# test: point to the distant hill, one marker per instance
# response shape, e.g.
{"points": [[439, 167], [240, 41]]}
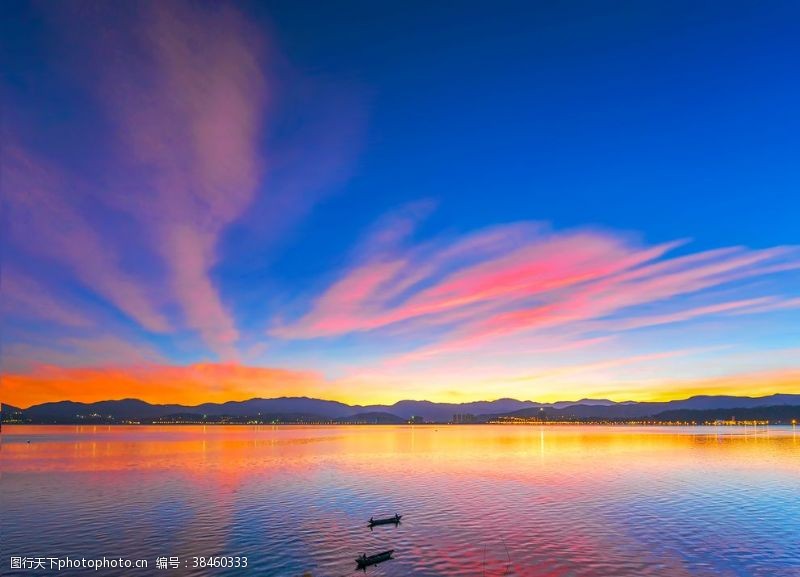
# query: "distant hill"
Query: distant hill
{"points": [[774, 414], [443, 412], [137, 409], [69, 411], [253, 407], [564, 404], [307, 409], [120, 409], [633, 410], [9, 413]]}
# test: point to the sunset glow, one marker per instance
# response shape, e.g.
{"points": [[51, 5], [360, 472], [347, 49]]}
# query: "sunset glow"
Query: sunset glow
{"points": [[204, 216], [418, 289]]}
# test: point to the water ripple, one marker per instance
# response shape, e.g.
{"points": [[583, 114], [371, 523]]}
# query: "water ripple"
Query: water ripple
{"points": [[523, 501]]}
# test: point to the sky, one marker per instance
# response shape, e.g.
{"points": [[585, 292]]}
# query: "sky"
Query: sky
{"points": [[370, 202]]}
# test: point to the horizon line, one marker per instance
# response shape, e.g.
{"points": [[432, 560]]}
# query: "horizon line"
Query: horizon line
{"points": [[394, 403]]}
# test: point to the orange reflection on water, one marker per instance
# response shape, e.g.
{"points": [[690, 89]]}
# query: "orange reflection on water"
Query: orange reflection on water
{"points": [[550, 498], [193, 448]]}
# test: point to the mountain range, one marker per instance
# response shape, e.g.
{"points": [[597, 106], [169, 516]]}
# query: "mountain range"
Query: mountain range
{"points": [[304, 408]]}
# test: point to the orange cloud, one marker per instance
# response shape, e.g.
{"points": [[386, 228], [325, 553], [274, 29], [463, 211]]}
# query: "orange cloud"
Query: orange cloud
{"points": [[190, 385], [220, 382]]}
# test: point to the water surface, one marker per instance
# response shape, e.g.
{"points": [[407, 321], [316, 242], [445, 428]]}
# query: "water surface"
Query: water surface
{"points": [[569, 501]]}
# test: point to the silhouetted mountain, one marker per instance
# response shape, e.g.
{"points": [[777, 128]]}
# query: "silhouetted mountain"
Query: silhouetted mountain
{"points": [[9, 412], [573, 412], [136, 409], [253, 407], [443, 412], [632, 410], [284, 408], [724, 402], [773, 414], [120, 409], [563, 404]]}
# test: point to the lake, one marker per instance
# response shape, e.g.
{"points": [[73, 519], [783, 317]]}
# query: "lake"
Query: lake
{"points": [[533, 500]]}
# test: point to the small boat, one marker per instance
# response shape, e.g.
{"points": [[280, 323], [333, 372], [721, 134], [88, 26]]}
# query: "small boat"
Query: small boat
{"points": [[395, 520], [365, 561]]}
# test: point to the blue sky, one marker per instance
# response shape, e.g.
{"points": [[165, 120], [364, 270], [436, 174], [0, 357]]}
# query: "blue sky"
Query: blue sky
{"points": [[214, 187]]}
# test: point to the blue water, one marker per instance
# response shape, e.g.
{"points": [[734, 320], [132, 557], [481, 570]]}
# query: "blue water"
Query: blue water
{"points": [[477, 500]]}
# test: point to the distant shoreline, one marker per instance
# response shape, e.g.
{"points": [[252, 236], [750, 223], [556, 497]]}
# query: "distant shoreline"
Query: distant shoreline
{"points": [[431, 424], [700, 410]]}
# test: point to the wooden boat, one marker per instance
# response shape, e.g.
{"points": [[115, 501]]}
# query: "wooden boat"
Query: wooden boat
{"points": [[366, 561], [395, 520]]}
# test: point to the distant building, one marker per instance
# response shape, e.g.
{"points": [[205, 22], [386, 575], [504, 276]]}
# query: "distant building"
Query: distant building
{"points": [[464, 418], [416, 420]]}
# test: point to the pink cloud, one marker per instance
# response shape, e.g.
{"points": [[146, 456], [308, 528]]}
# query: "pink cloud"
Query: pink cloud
{"points": [[190, 102], [181, 150], [98, 349], [45, 220], [489, 269], [24, 296], [522, 279], [647, 284]]}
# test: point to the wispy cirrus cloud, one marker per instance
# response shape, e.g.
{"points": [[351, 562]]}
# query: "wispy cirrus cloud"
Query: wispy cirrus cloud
{"points": [[25, 297], [185, 88], [654, 283], [45, 219], [522, 279], [174, 103], [189, 95], [100, 348], [465, 278]]}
